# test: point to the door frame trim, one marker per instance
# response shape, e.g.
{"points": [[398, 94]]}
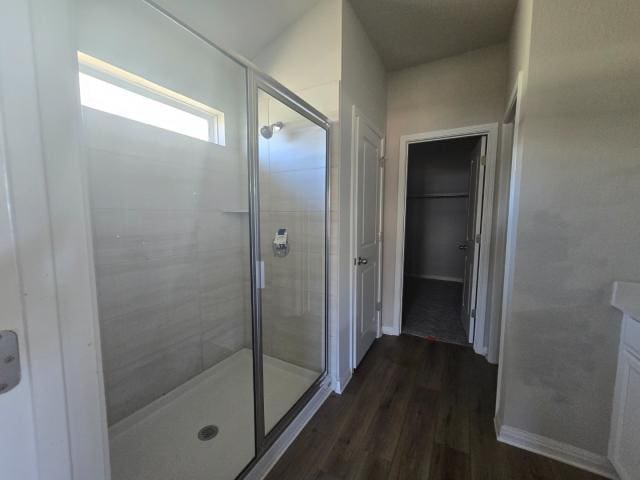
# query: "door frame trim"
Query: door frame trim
{"points": [[51, 233], [512, 112], [491, 131], [357, 114]]}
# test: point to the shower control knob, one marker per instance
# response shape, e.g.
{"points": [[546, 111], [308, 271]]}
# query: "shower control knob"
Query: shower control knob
{"points": [[362, 261], [462, 246]]}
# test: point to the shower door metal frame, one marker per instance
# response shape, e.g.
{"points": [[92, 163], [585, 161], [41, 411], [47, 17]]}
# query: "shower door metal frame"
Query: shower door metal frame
{"points": [[257, 81]]}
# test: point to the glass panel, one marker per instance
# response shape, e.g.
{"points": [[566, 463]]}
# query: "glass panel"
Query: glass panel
{"points": [[292, 170], [165, 125]]}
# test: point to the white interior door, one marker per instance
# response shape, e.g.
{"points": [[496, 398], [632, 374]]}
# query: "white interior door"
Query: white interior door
{"points": [[367, 238], [473, 236]]}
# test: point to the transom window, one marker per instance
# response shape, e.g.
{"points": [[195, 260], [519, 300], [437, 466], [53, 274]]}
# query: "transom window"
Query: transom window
{"points": [[112, 90]]}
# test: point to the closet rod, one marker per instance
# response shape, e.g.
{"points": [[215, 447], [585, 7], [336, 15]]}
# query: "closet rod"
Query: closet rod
{"points": [[439, 195]]}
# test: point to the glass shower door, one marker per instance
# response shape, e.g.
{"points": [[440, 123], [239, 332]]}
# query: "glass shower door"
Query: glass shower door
{"points": [[292, 153], [165, 126]]}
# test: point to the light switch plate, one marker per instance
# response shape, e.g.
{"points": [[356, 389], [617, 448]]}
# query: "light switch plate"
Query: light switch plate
{"points": [[9, 361]]}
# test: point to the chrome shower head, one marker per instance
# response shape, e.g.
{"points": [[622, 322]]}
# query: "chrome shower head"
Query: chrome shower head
{"points": [[267, 130]]}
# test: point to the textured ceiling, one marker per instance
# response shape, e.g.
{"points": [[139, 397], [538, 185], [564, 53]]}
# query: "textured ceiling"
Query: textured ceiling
{"points": [[241, 26], [411, 32]]}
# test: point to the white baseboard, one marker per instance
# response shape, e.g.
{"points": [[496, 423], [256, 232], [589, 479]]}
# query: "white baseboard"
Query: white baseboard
{"points": [[342, 383], [480, 351], [390, 330], [435, 277], [271, 457], [562, 452]]}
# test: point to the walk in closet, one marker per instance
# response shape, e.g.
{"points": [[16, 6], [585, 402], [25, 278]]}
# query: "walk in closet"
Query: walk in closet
{"points": [[441, 213]]}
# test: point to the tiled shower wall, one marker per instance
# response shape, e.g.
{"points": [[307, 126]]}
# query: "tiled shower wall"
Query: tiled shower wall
{"points": [[292, 196], [171, 242], [169, 212]]}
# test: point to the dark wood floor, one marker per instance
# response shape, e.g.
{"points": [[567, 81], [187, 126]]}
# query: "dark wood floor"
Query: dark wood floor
{"points": [[414, 410]]}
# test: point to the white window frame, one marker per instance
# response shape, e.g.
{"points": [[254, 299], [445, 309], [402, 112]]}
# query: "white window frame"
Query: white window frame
{"points": [[118, 77]]}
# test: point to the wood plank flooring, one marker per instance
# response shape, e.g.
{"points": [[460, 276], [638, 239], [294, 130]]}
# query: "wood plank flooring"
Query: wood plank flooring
{"points": [[414, 410]]}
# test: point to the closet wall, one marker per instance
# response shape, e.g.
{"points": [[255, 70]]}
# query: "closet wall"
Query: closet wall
{"points": [[437, 202]]}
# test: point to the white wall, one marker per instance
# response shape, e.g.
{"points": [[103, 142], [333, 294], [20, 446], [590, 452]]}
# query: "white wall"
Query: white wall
{"points": [[305, 57], [243, 27], [467, 89], [364, 79], [363, 86], [520, 41], [578, 218]]}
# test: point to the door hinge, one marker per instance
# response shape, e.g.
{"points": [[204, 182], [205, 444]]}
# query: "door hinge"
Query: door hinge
{"points": [[382, 160], [478, 237], [473, 313], [483, 160], [379, 306], [379, 236]]}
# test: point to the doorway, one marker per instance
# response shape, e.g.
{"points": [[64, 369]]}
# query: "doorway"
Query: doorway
{"points": [[443, 240], [445, 180]]}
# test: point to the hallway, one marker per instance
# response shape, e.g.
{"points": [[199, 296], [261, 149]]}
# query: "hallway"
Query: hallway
{"points": [[414, 410]]}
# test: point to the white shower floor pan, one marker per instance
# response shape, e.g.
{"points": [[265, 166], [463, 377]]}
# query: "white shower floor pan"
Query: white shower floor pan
{"points": [[160, 441]]}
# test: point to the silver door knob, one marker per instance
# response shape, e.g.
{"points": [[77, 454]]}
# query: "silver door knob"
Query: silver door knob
{"points": [[462, 246], [362, 261]]}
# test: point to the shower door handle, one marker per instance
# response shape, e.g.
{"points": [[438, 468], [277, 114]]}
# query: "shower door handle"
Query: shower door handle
{"points": [[362, 261]]}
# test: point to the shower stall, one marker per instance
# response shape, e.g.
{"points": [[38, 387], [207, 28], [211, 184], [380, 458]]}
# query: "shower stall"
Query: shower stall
{"points": [[208, 194]]}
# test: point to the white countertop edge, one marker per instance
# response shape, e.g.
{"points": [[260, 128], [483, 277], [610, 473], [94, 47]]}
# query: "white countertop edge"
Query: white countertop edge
{"points": [[626, 297]]}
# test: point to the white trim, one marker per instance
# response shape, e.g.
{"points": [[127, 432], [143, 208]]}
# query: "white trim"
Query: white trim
{"points": [[356, 114], [341, 383], [514, 96], [390, 330], [352, 245], [435, 277], [48, 201], [501, 203], [560, 451], [262, 468], [491, 131], [504, 189], [19, 453], [512, 223], [625, 296]]}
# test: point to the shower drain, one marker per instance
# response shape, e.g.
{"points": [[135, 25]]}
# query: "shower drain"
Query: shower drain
{"points": [[207, 433]]}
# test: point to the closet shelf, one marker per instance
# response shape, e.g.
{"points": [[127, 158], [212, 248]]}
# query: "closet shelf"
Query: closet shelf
{"points": [[439, 195]]}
